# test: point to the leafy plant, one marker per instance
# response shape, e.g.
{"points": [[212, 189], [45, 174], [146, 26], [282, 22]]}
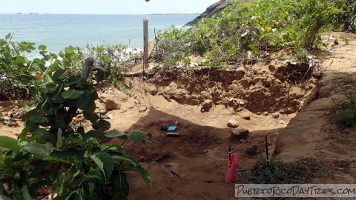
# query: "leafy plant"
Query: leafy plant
{"points": [[264, 25], [277, 172], [79, 165], [344, 111]]}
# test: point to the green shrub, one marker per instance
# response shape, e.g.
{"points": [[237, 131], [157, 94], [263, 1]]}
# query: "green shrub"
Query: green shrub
{"points": [[277, 172], [265, 25], [53, 152], [344, 111]]}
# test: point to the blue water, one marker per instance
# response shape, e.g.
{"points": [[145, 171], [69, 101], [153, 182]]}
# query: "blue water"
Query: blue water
{"points": [[60, 31]]}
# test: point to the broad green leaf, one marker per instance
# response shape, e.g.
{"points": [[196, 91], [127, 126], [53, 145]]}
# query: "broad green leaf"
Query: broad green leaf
{"points": [[39, 150], [8, 36], [99, 75], [144, 174], [71, 81], [29, 126], [106, 59], [124, 159], [114, 133], [91, 107], [83, 100], [104, 162], [72, 94], [42, 134], [93, 117], [120, 187], [25, 194], [101, 125], [58, 98], [9, 143], [98, 134], [38, 118], [57, 74], [138, 136], [69, 157], [42, 48], [64, 75]]}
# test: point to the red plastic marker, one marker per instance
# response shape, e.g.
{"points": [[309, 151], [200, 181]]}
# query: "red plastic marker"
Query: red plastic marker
{"points": [[231, 171]]}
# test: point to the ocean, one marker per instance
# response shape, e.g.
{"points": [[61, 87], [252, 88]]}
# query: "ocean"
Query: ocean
{"points": [[58, 31]]}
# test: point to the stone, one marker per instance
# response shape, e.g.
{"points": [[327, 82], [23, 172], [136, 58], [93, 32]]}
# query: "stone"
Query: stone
{"points": [[265, 113], [342, 163], [206, 105], [232, 123], [142, 108], [275, 115], [281, 122], [246, 117], [251, 150], [240, 133]]}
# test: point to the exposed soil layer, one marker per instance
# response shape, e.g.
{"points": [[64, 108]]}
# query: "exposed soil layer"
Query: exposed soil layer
{"points": [[274, 86]]}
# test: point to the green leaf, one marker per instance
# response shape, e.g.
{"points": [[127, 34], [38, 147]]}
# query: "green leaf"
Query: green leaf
{"points": [[57, 74], [114, 133], [59, 139], [101, 125], [124, 159], [42, 134], [144, 174], [69, 157], [29, 126], [9, 143], [42, 48], [39, 150], [25, 194], [93, 117], [83, 100], [99, 75], [120, 187], [91, 107], [104, 162], [72, 94], [106, 59], [98, 134], [38, 118], [64, 75], [138, 136], [8, 36]]}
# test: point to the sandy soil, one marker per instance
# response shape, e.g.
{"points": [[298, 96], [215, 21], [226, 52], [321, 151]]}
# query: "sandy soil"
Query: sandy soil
{"points": [[283, 101]]}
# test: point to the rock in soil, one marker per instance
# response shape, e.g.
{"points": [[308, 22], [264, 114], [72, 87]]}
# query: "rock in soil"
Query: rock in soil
{"points": [[232, 123], [246, 117], [240, 133], [251, 150], [275, 115]]}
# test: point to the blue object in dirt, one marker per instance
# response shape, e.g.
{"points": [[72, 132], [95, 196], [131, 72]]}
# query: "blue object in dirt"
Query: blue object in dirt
{"points": [[172, 128]]}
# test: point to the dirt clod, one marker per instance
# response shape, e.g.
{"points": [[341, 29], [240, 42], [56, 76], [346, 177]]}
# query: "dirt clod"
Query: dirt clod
{"points": [[240, 133]]}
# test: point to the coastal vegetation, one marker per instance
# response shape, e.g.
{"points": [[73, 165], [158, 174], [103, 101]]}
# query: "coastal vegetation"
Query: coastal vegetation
{"points": [[255, 28]]}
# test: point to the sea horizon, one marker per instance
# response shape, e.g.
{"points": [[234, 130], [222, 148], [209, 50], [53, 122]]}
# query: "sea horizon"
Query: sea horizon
{"points": [[58, 31]]}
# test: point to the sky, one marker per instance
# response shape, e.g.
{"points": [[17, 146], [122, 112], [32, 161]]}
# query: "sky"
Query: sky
{"points": [[104, 6]]}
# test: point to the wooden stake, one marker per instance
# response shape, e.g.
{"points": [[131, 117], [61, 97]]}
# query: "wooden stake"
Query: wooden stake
{"points": [[267, 157], [145, 45]]}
